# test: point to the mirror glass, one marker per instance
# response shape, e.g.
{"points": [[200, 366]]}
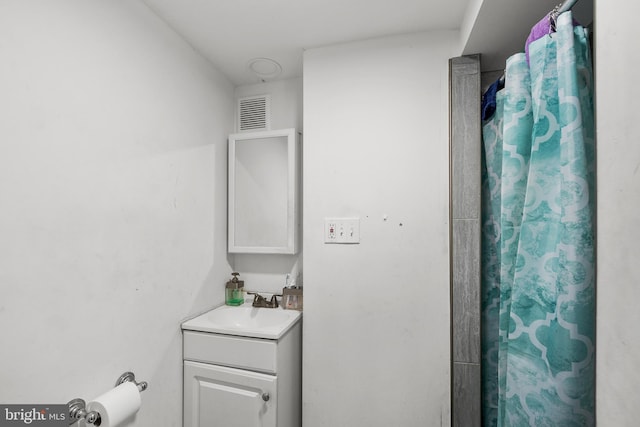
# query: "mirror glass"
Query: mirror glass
{"points": [[262, 192]]}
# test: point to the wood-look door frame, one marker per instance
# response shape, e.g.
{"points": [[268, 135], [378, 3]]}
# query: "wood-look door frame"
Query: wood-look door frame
{"points": [[465, 144]]}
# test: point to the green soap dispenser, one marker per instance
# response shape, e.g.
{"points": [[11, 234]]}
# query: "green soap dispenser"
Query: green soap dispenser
{"points": [[234, 291]]}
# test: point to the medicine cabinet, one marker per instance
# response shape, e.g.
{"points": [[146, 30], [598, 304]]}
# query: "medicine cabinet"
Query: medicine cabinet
{"points": [[263, 192]]}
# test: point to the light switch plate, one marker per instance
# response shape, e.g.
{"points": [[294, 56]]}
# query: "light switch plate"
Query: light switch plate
{"points": [[342, 230]]}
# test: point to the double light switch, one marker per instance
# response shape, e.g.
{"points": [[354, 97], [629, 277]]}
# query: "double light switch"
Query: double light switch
{"points": [[342, 230]]}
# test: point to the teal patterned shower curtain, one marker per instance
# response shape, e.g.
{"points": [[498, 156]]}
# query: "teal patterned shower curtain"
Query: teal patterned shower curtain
{"points": [[538, 273]]}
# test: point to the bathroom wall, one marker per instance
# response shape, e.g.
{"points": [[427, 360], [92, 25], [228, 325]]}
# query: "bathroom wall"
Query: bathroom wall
{"points": [[267, 272], [112, 200], [376, 321], [618, 133]]}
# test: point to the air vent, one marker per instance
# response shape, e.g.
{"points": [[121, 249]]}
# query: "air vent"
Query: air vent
{"points": [[254, 113]]}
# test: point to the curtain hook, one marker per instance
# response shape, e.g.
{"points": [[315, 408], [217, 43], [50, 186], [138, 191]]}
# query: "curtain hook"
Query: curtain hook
{"points": [[553, 17]]}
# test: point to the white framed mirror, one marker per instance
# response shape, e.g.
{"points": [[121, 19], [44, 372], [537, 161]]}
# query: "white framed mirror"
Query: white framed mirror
{"points": [[263, 192]]}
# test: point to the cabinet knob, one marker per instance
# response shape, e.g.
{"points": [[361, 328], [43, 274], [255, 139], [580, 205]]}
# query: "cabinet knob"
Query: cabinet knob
{"points": [[265, 397]]}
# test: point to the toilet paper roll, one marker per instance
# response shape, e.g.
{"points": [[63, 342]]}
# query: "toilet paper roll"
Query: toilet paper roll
{"points": [[117, 404]]}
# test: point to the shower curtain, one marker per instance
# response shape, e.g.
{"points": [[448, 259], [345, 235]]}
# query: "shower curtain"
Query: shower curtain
{"points": [[538, 274]]}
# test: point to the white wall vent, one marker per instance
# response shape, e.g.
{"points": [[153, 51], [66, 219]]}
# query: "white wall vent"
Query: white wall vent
{"points": [[254, 113]]}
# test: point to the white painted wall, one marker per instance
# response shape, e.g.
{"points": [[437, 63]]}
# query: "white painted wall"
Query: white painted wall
{"points": [[267, 272], [376, 320], [618, 133], [112, 200]]}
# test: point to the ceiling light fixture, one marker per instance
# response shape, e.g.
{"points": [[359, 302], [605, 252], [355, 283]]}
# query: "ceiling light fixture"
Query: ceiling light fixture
{"points": [[264, 68]]}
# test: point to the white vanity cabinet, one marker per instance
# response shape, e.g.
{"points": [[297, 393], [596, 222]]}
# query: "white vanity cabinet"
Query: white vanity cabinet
{"points": [[236, 381], [214, 393]]}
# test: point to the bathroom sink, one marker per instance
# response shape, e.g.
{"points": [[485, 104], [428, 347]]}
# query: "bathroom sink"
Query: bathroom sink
{"points": [[246, 321]]}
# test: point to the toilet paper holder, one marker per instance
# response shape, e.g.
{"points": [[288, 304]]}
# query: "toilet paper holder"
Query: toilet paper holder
{"points": [[78, 407]]}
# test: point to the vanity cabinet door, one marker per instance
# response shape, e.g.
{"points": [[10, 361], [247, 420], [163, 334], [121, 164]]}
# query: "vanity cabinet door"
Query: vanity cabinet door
{"points": [[216, 394]]}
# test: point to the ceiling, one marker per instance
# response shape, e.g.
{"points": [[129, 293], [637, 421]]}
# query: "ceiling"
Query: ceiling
{"points": [[229, 33]]}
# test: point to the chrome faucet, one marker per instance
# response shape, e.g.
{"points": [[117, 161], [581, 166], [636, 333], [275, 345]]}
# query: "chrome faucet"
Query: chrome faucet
{"points": [[260, 301]]}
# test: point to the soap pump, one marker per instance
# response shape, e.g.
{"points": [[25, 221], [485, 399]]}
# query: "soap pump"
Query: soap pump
{"points": [[234, 291]]}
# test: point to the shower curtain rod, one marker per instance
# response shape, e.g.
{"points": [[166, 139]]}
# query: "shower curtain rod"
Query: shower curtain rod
{"points": [[566, 5]]}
